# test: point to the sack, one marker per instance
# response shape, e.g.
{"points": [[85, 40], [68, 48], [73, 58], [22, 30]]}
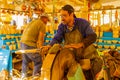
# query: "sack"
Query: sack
{"points": [[54, 49], [3, 75], [90, 52], [76, 73], [86, 53], [102, 75], [117, 71], [85, 64]]}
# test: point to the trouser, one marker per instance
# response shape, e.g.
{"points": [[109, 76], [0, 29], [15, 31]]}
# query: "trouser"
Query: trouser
{"points": [[29, 57]]}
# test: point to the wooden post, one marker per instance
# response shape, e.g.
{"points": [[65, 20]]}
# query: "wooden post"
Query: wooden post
{"points": [[84, 10]]}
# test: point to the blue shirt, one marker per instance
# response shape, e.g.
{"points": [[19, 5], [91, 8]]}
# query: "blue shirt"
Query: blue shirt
{"points": [[83, 26]]}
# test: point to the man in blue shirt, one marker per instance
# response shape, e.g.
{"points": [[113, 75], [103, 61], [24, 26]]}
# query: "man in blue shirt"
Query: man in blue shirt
{"points": [[78, 36]]}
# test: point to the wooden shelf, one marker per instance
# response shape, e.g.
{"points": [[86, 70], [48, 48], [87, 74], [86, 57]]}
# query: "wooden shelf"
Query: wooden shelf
{"points": [[103, 9]]}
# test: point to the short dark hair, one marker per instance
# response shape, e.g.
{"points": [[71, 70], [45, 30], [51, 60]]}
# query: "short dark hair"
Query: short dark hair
{"points": [[68, 8]]}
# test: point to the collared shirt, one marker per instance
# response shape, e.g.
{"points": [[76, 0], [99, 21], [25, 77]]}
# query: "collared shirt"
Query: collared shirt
{"points": [[84, 28]]}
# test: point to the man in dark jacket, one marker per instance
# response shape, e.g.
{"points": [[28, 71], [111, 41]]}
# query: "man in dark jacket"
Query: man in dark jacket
{"points": [[78, 36]]}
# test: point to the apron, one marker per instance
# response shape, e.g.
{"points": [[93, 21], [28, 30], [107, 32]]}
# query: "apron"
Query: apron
{"points": [[76, 37], [84, 53]]}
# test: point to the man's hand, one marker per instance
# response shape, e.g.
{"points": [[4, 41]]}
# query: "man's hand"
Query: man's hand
{"points": [[79, 45], [44, 49]]}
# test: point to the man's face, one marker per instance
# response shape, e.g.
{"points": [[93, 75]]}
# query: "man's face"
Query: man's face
{"points": [[45, 20], [65, 16]]}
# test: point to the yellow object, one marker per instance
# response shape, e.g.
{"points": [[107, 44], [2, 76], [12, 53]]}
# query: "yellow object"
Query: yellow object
{"points": [[112, 47], [114, 41], [116, 32], [3, 38], [97, 33], [8, 43], [18, 45], [51, 32], [8, 36], [1, 32], [118, 47], [105, 28], [13, 42], [49, 36], [106, 46], [14, 47], [101, 34], [100, 40], [100, 46], [10, 47], [115, 36], [99, 53], [109, 42], [12, 37], [105, 41], [6, 17], [52, 36], [47, 41]]}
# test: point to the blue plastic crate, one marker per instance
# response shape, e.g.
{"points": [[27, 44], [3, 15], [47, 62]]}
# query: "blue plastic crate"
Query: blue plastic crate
{"points": [[107, 38], [15, 34], [5, 60], [48, 38], [7, 47], [2, 35], [117, 45], [107, 34], [117, 39], [100, 43], [3, 42]]}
